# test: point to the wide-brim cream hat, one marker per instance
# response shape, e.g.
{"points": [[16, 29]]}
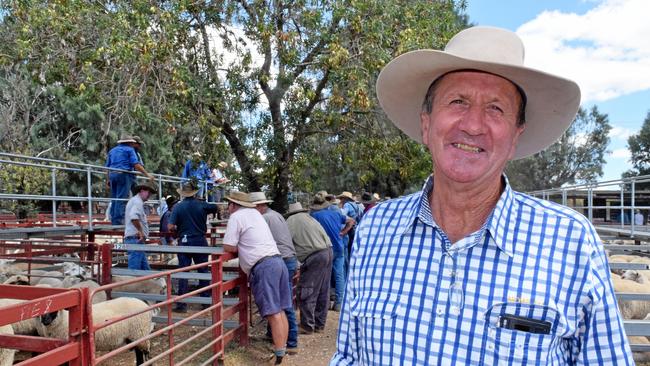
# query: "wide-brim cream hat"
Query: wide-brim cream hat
{"points": [[346, 194], [552, 101], [258, 197], [240, 198], [126, 138], [295, 208]]}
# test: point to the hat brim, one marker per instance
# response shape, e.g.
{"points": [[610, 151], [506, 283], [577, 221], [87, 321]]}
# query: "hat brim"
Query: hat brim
{"points": [[320, 206], [368, 202], [241, 203], [552, 101], [295, 212], [126, 140], [186, 194], [262, 201], [138, 187]]}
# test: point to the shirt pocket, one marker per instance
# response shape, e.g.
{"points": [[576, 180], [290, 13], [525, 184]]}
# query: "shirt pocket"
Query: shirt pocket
{"points": [[515, 347], [377, 316]]}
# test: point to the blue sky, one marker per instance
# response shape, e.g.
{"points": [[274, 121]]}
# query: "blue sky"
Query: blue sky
{"points": [[604, 45]]}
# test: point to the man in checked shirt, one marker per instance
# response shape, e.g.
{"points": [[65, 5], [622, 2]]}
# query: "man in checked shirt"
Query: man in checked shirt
{"points": [[468, 271]]}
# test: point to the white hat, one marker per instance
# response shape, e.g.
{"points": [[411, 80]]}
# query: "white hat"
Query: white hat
{"points": [[552, 101], [258, 197]]}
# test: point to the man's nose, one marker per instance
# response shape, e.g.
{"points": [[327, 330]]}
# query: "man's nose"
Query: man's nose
{"points": [[473, 120]]}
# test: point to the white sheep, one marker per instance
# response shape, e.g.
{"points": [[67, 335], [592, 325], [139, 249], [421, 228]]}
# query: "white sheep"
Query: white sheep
{"points": [[91, 285], [25, 327], [7, 354], [632, 309], [152, 286], [55, 325]]}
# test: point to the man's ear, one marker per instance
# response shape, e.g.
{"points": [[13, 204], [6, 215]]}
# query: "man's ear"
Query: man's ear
{"points": [[425, 122]]}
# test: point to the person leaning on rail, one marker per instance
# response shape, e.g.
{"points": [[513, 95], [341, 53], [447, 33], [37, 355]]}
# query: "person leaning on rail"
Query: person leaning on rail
{"points": [[248, 235], [468, 271]]}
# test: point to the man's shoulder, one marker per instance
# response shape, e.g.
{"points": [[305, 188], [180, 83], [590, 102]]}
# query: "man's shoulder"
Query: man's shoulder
{"points": [[541, 207]]}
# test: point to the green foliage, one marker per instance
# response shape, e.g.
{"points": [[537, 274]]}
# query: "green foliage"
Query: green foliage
{"points": [[639, 146], [276, 86], [577, 157]]}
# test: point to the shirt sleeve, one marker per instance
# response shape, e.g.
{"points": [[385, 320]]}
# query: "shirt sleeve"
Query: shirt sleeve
{"points": [[347, 347], [172, 217], [602, 338], [135, 213], [133, 157], [231, 237]]}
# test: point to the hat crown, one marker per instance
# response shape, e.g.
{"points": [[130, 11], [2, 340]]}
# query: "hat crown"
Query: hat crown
{"points": [[488, 44], [295, 207], [257, 197], [318, 199]]}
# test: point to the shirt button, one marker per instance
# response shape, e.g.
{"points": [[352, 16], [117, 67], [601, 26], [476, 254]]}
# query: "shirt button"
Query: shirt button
{"points": [[440, 311], [490, 347]]}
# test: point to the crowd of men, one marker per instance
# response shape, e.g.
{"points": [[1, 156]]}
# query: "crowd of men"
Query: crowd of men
{"points": [[271, 247]]}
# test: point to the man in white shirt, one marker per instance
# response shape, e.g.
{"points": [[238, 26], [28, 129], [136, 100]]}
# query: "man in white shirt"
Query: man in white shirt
{"points": [[248, 235], [136, 227]]}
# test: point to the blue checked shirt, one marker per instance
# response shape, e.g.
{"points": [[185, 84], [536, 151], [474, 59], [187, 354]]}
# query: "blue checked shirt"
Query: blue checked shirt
{"points": [[413, 298]]}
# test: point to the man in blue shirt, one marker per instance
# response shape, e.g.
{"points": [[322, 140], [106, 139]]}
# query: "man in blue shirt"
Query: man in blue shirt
{"points": [[188, 221], [468, 271], [332, 221], [196, 168], [124, 157]]}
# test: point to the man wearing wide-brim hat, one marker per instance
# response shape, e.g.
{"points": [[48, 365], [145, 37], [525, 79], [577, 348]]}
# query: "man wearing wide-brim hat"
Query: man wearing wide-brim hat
{"points": [[314, 251], [280, 231], [248, 234], [136, 226], [123, 157], [469, 271], [188, 222], [197, 168], [332, 222]]}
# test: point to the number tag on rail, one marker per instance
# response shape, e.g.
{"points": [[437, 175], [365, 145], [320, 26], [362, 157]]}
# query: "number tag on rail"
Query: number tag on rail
{"points": [[119, 246]]}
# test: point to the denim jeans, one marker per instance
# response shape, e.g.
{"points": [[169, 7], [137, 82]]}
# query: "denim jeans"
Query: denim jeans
{"points": [[121, 184], [137, 260], [338, 275], [292, 339]]}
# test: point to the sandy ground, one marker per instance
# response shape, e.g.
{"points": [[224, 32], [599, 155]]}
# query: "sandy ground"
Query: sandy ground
{"points": [[313, 350]]}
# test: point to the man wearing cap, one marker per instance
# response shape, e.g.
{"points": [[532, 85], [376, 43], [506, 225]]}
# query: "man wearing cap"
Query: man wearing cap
{"points": [[314, 251], [282, 237], [248, 235], [336, 225], [136, 228], [468, 271], [369, 201], [167, 237], [123, 157], [196, 168], [188, 222]]}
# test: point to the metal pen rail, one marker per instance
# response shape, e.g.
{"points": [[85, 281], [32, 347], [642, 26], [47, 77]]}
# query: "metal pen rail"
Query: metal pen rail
{"points": [[91, 171]]}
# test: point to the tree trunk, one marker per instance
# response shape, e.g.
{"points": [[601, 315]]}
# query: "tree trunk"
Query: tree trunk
{"points": [[252, 182]]}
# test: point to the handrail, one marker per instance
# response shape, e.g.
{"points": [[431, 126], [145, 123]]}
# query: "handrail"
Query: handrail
{"points": [[55, 165]]}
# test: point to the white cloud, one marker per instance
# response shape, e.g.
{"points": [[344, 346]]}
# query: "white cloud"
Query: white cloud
{"points": [[621, 133], [621, 154], [606, 50]]}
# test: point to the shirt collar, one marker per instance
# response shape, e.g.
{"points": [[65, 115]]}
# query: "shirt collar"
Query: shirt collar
{"points": [[501, 221]]}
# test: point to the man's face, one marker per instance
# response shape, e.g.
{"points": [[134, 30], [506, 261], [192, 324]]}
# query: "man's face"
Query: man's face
{"points": [[472, 129], [145, 194], [261, 208]]}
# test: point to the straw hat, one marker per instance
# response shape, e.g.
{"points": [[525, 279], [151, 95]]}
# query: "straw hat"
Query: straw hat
{"points": [[258, 197], [188, 189], [240, 198], [319, 202], [126, 138], [223, 164], [138, 140], [295, 208], [552, 101], [144, 185], [347, 195]]}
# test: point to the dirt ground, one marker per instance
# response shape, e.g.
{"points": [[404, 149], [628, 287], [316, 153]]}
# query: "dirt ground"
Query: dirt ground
{"points": [[313, 350]]}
